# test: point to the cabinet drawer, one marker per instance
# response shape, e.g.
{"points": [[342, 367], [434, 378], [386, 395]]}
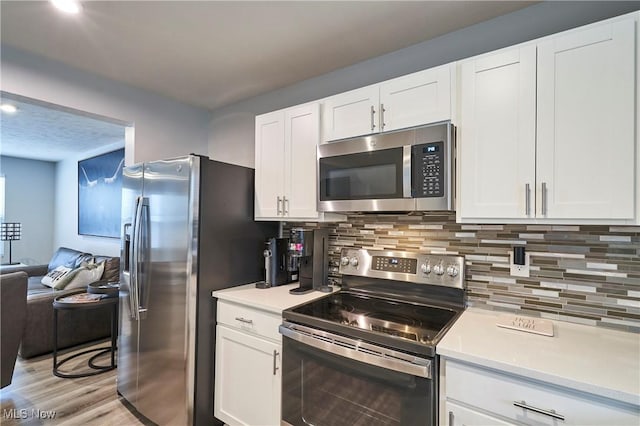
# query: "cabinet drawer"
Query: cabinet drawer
{"points": [[248, 319], [496, 393]]}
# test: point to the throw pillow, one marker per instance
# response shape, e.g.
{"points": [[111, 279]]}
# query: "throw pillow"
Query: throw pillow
{"points": [[58, 278], [85, 274]]}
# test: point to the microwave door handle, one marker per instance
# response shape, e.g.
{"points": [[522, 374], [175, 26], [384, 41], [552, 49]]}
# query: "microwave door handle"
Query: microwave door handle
{"points": [[406, 171]]}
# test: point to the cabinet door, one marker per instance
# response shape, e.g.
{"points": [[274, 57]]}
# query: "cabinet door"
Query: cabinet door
{"points": [[350, 114], [269, 177], [586, 121], [418, 98], [529, 402], [302, 135], [247, 384], [458, 415], [496, 135]]}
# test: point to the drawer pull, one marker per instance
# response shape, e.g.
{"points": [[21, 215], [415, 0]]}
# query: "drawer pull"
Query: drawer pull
{"points": [[550, 413], [246, 321]]}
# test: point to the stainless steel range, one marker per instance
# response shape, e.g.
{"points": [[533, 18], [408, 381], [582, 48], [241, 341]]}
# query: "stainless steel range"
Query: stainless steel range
{"points": [[366, 354]]}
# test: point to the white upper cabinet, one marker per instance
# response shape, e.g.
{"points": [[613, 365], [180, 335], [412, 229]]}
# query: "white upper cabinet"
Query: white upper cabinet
{"points": [[285, 179], [270, 161], [586, 123], [547, 129], [419, 98], [497, 134], [302, 135], [350, 114]]}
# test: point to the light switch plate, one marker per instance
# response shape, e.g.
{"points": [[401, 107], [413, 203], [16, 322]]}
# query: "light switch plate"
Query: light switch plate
{"points": [[519, 270]]}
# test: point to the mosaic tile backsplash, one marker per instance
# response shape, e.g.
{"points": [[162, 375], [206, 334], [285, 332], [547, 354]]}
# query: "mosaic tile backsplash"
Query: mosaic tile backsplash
{"points": [[582, 274]]}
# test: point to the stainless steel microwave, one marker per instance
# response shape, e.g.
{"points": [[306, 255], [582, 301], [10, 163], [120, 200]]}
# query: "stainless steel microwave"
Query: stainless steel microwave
{"points": [[406, 170]]}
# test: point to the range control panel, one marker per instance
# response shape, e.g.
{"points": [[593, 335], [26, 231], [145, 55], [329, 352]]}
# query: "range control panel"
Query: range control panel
{"points": [[419, 268], [394, 264], [427, 168]]}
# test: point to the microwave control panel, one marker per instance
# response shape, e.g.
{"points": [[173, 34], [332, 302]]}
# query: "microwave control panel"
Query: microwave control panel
{"points": [[428, 170]]}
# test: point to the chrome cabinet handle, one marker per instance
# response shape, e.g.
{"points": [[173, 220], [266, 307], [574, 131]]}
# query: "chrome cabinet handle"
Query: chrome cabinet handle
{"points": [[451, 418], [550, 413], [373, 123], [544, 198], [275, 364], [278, 206], [382, 123], [246, 321], [285, 205], [527, 190]]}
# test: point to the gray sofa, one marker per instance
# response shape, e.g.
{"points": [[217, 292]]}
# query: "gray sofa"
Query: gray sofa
{"points": [[74, 326]]}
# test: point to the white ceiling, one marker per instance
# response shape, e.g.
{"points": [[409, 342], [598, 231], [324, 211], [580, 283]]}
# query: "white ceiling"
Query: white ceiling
{"points": [[214, 53], [207, 53], [43, 132]]}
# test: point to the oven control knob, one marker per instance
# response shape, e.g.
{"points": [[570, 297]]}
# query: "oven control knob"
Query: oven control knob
{"points": [[354, 262], [425, 268], [438, 269], [452, 271], [344, 261]]}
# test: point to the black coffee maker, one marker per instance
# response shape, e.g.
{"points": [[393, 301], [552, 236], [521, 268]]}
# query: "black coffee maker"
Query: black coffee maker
{"points": [[311, 248], [280, 267]]}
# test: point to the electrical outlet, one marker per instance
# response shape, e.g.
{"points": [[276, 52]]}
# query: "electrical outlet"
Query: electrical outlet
{"points": [[519, 270]]}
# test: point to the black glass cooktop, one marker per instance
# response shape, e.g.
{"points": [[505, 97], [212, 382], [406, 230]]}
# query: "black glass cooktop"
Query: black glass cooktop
{"points": [[391, 320]]}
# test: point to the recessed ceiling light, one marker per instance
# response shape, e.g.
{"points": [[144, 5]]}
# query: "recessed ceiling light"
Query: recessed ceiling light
{"points": [[8, 108], [68, 6]]}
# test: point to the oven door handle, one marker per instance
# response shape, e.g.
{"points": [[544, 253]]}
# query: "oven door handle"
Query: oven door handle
{"points": [[358, 350]]}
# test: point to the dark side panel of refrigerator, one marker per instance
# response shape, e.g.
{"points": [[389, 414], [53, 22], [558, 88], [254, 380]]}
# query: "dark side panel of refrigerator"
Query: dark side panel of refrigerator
{"points": [[233, 244]]}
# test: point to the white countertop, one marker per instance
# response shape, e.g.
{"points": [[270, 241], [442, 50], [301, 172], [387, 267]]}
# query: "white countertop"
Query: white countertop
{"points": [[597, 360], [273, 299]]}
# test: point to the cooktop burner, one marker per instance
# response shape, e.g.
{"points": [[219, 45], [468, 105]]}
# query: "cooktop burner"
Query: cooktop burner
{"points": [[411, 321], [405, 301]]}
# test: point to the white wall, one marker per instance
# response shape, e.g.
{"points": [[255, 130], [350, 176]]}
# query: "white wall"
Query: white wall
{"points": [[66, 209], [164, 128], [232, 137], [29, 199]]}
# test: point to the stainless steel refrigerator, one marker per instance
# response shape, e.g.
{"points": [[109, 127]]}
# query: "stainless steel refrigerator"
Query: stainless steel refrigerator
{"points": [[187, 229]]}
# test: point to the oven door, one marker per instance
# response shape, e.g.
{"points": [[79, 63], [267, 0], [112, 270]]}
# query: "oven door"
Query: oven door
{"points": [[373, 177], [334, 380]]}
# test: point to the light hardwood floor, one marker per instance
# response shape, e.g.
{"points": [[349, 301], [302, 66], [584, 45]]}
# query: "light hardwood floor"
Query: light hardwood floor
{"points": [[35, 393]]}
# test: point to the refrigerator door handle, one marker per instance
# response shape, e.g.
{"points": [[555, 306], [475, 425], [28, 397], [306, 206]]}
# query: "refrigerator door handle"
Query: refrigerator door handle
{"points": [[134, 292], [142, 280], [127, 262]]}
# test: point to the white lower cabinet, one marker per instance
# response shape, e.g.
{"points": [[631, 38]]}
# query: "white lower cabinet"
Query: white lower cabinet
{"points": [[248, 375], [479, 396], [457, 415]]}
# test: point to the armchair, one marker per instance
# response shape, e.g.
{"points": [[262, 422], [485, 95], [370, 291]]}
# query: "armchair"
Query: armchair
{"points": [[13, 315]]}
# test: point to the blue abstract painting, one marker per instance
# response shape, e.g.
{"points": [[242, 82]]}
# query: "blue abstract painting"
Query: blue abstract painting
{"points": [[100, 194]]}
